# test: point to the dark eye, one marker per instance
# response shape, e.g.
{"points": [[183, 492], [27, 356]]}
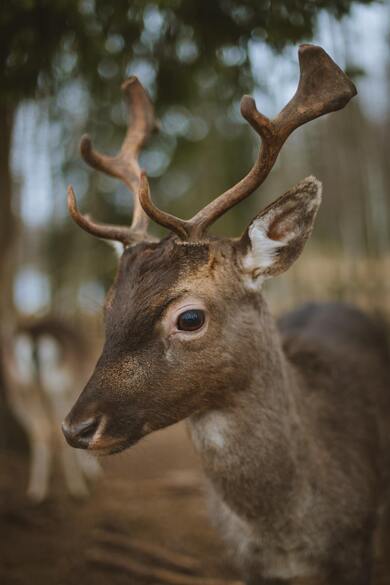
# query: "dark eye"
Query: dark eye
{"points": [[191, 320]]}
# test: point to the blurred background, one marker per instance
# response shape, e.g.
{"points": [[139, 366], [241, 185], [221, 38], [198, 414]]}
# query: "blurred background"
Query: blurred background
{"points": [[62, 63]]}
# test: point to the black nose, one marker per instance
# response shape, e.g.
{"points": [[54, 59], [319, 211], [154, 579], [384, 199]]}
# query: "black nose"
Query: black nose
{"points": [[79, 435]]}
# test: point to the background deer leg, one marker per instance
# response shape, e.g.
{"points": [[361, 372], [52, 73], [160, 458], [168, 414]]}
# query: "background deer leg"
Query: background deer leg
{"points": [[33, 419], [76, 465], [74, 477], [89, 464], [41, 455]]}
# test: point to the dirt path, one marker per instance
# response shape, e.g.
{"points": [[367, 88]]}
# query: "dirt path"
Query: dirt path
{"points": [[148, 513], [149, 509]]}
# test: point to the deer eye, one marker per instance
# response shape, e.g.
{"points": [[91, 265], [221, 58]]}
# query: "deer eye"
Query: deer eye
{"points": [[190, 320]]}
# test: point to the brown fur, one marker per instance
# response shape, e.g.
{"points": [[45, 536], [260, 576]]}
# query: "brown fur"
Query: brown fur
{"points": [[291, 424]]}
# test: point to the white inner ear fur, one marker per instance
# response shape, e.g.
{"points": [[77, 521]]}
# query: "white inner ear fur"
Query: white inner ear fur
{"points": [[264, 249]]}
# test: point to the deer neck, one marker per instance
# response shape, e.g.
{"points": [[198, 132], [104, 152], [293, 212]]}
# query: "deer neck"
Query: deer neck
{"points": [[250, 447]]}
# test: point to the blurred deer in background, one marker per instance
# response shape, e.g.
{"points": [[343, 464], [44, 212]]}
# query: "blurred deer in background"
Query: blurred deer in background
{"points": [[46, 363], [291, 420]]}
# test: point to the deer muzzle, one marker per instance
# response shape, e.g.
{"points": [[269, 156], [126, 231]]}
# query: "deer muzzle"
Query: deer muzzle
{"points": [[107, 417], [81, 435]]}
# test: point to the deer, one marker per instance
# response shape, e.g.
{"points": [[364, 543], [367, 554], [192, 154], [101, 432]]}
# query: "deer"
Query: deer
{"points": [[46, 361], [291, 417]]}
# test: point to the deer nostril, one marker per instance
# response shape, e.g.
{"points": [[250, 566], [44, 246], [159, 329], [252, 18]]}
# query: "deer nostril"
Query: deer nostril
{"points": [[80, 435]]}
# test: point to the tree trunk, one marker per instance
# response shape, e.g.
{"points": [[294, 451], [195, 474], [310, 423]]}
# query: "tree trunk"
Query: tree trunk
{"points": [[11, 435]]}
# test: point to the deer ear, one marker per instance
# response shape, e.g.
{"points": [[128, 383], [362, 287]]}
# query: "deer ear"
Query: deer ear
{"points": [[276, 237]]}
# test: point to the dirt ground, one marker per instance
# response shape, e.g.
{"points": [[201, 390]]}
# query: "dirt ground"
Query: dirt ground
{"points": [[145, 523], [148, 510]]}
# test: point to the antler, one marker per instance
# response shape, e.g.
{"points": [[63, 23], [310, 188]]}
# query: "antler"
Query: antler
{"points": [[323, 87], [124, 166]]}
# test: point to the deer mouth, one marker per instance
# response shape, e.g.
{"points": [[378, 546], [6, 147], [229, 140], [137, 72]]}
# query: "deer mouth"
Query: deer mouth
{"points": [[110, 443], [112, 446]]}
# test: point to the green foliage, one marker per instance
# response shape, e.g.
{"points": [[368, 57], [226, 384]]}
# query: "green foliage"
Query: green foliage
{"points": [[181, 41], [32, 34]]}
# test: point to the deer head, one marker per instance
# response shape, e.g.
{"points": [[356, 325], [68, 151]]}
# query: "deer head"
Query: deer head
{"points": [[182, 315]]}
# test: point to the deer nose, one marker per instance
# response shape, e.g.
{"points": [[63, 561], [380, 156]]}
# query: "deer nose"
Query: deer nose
{"points": [[80, 434]]}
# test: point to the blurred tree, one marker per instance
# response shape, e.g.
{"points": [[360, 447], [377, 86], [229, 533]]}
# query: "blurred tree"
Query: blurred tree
{"points": [[186, 51], [32, 34]]}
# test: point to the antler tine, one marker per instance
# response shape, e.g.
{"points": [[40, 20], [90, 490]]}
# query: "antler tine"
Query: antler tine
{"points": [[179, 226], [323, 87], [123, 166], [106, 231]]}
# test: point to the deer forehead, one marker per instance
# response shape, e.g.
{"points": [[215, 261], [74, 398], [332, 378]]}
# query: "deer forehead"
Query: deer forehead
{"points": [[151, 275]]}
